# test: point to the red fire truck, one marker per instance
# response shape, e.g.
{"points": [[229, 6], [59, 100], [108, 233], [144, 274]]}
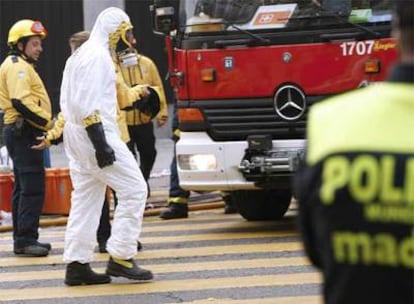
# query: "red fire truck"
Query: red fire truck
{"points": [[246, 72]]}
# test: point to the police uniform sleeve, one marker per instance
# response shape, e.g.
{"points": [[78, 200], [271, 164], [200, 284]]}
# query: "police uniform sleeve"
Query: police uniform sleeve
{"points": [[33, 108]]}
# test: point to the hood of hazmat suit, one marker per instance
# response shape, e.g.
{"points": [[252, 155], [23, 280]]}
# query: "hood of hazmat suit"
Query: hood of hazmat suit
{"points": [[89, 84]]}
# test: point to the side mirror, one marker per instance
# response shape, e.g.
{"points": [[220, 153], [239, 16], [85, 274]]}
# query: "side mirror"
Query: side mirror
{"points": [[164, 16]]}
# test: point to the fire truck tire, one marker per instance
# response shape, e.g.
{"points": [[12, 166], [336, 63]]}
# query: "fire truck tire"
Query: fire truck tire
{"points": [[261, 205]]}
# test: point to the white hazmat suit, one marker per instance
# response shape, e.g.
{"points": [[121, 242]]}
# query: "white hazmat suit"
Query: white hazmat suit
{"points": [[88, 89]]}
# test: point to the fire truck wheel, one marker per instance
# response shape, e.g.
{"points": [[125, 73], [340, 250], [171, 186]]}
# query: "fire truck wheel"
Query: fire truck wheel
{"points": [[259, 205]]}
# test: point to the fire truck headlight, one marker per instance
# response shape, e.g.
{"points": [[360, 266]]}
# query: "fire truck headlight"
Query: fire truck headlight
{"points": [[197, 162]]}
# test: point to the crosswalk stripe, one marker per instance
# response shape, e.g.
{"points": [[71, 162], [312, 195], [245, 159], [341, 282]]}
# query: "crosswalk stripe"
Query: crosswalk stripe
{"points": [[281, 300], [165, 253], [189, 226], [159, 286], [169, 268], [189, 238]]}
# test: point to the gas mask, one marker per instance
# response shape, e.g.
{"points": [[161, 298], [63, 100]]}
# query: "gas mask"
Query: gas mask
{"points": [[127, 58]]}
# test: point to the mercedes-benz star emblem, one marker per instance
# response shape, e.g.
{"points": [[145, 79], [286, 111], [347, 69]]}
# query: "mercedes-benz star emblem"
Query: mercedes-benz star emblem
{"points": [[289, 102]]}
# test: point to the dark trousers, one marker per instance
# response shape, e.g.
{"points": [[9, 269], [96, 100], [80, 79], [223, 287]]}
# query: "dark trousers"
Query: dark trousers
{"points": [[143, 140], [175, 189], [29, 183]]}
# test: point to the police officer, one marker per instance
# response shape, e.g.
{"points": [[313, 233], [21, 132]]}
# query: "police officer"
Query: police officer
{"points": [[27, 113], [138, 69], [355, 192]]}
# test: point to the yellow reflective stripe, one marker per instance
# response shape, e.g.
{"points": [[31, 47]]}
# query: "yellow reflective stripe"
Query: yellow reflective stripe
{"points": [[92, 119], [124, 263], [177, 132], [178, 200]]}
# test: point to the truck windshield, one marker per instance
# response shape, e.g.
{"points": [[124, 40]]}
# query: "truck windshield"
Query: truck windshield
{"points": [[200, 16]]}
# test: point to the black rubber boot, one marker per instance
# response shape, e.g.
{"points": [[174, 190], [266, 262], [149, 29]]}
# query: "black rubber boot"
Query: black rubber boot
{"points": [[35, 250], [127, 269], [230, 206], [175, 211], [48, 246], [82, 274]]}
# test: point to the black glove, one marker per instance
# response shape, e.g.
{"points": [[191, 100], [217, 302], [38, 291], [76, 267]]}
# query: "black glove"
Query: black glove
{"points": [[103, 152], [150, 104]]}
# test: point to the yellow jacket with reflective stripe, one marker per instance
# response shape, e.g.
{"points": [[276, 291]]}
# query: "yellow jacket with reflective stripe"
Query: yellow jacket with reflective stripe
{"points": [[144, 73], [19, 80]]}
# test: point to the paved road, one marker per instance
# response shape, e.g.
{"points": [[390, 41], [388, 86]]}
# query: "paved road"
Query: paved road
{"points": [[208, 258]]}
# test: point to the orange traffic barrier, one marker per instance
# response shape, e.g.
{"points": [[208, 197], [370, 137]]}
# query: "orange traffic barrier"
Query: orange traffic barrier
{"points": [[63, 190], [6, 190], [50, 189], [58, 190]]}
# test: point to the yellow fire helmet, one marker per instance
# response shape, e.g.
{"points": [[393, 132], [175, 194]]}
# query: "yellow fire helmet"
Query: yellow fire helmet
{"points": [[26, 28], [123, 32]]}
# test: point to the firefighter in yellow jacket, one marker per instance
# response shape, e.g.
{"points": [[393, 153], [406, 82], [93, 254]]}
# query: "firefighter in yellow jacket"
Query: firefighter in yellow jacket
{"points": [[356, 191], [138, 69], [27, 114]]}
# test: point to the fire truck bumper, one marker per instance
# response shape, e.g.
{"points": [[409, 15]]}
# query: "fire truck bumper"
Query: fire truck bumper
{"points": [[206, 165]]}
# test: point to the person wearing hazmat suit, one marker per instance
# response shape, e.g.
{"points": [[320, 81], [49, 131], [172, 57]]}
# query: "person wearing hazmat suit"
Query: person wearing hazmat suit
{"points": [[98, 157]]}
